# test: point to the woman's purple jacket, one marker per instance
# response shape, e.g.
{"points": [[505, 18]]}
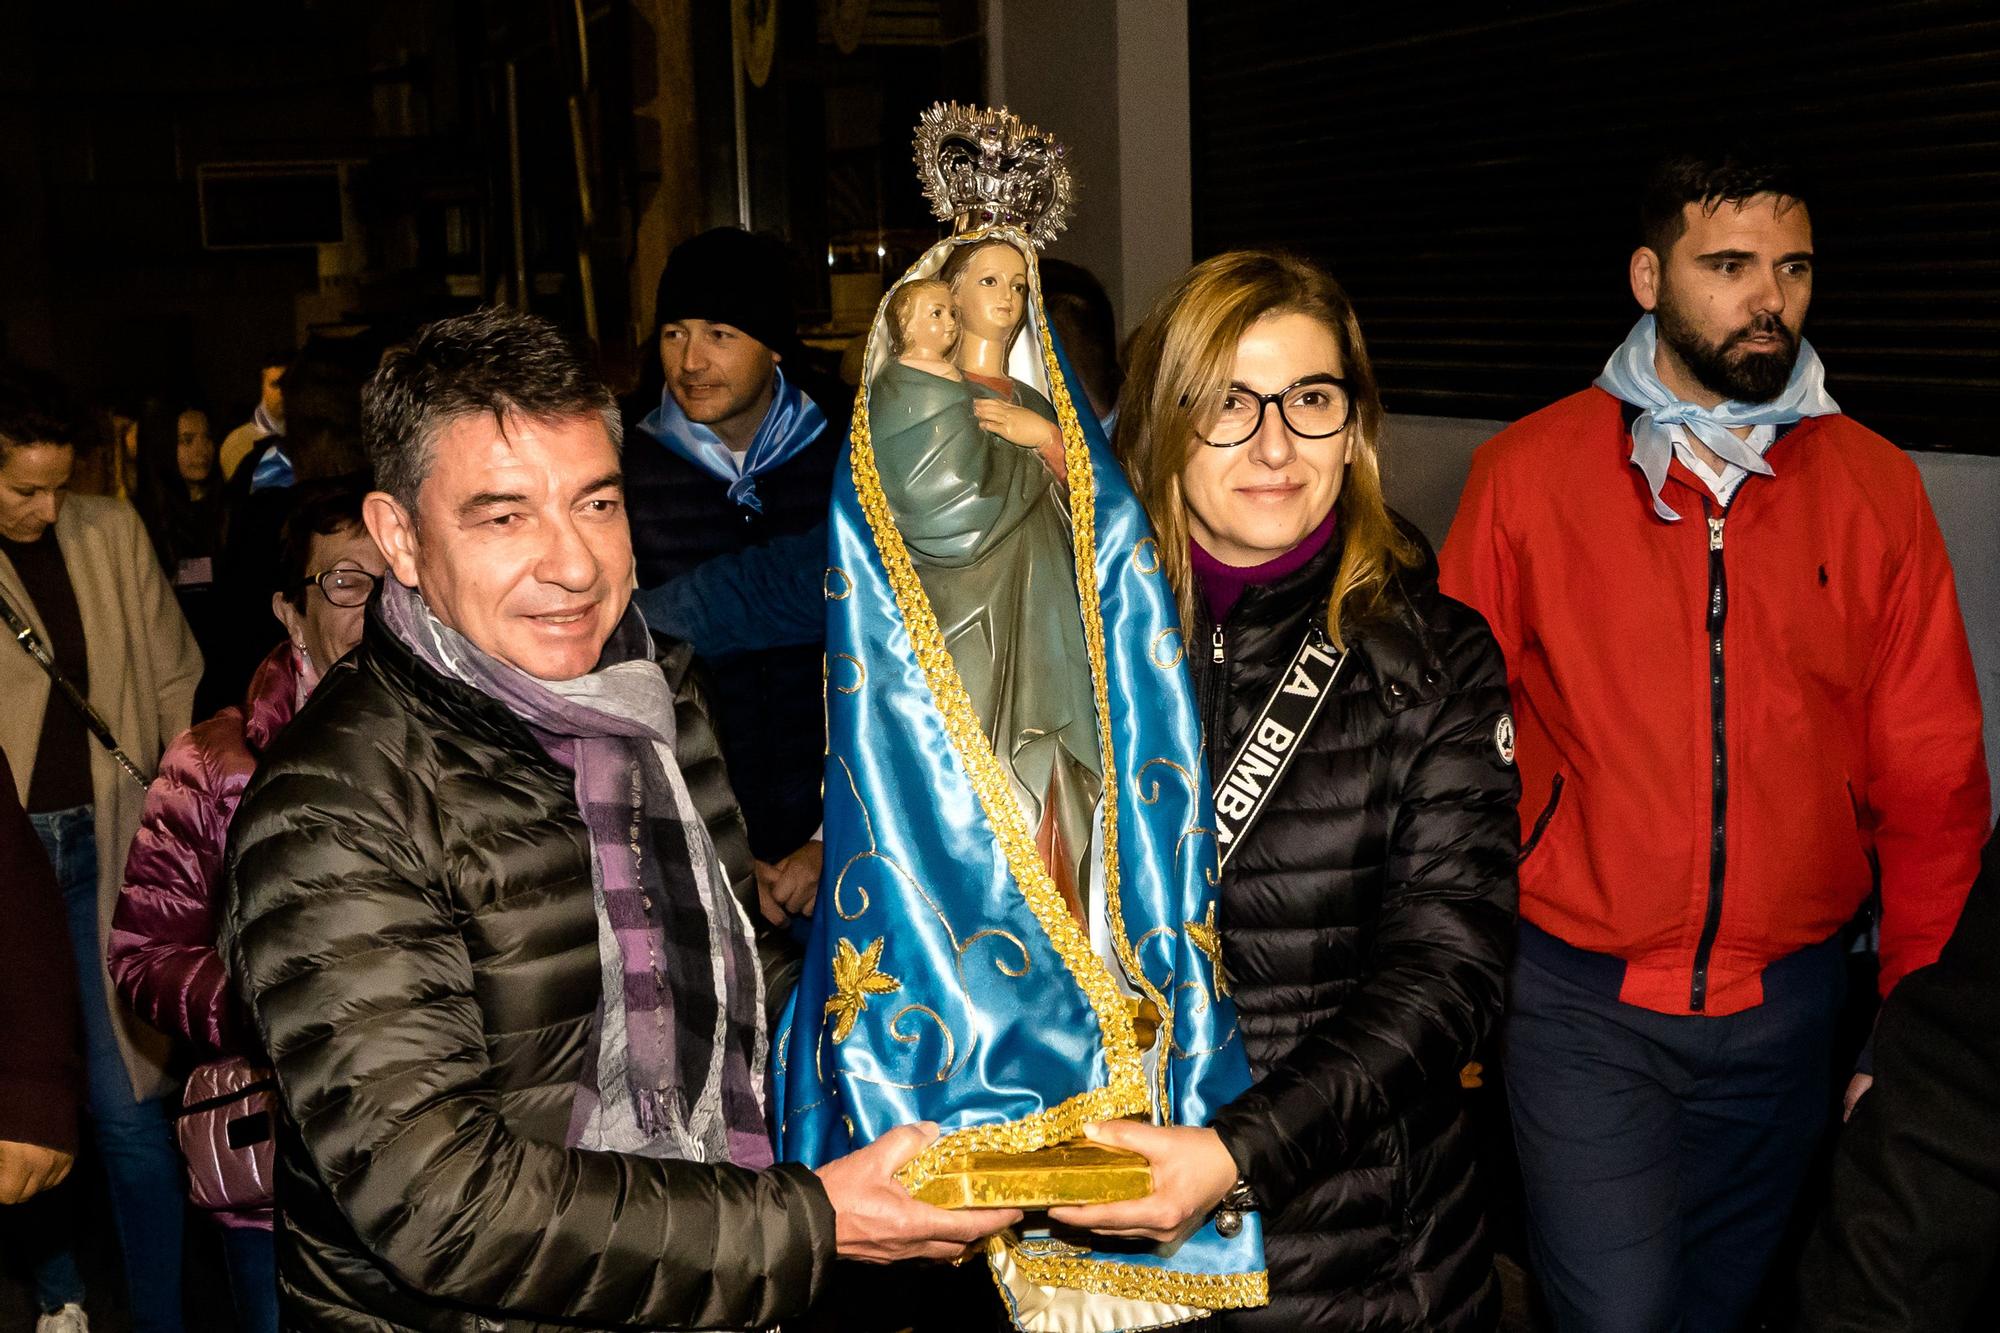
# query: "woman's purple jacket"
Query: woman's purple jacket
{"points": [[162, 947]]}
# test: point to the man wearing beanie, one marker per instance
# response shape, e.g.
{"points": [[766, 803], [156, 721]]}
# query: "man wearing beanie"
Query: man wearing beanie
{"points": [[740, 449]]}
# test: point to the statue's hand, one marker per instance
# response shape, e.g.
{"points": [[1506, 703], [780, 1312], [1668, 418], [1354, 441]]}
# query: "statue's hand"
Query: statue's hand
{"points": [[1015, 424], [1018, 425]]}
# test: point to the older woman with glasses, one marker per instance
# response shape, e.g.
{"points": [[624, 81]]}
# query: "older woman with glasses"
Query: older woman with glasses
{"points": [[1361, 751], [162, 948]]}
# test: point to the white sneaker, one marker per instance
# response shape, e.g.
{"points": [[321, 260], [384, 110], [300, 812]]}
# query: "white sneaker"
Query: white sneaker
{"points": [[69, 1319]]}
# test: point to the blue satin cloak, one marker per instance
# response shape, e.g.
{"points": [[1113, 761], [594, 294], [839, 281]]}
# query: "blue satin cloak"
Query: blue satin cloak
{"points": [[933, 987]]}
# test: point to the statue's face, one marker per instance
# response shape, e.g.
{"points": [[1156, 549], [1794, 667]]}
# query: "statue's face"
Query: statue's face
{"points": [[931, 328], [992, 293]]}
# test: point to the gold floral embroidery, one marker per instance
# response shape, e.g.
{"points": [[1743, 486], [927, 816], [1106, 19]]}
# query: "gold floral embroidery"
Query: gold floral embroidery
{"points": [[856, 976], [1205, 936]]}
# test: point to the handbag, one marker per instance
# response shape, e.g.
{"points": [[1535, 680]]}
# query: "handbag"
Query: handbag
{"points": [[227, 1128]]}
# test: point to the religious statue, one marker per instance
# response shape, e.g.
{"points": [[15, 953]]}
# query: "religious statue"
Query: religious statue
{"points": [[1015, 927], [972, 469]]}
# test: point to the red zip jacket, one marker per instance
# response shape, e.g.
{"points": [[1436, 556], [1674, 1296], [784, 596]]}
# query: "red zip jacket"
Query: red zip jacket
{"points": [[1729, 725]]}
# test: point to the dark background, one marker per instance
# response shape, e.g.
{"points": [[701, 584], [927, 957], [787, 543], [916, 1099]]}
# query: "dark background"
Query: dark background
{"points": [[120, 270], [1472, 176]]}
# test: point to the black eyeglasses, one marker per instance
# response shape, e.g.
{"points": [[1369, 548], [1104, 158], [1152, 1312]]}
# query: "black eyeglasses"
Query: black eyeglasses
{"points": [[1312, 408], [343, 586]]}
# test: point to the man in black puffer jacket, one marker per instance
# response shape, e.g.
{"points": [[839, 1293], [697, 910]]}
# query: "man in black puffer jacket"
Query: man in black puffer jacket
{"points": [[479, 909]]}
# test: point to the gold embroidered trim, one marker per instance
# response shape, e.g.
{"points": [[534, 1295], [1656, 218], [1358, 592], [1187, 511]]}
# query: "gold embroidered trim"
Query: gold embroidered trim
{"points": [[1126, 1091], [1083, 515], [1104, 1277]]}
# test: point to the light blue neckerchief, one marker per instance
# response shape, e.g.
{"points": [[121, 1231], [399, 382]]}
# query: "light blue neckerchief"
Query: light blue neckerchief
{"points": [[274, 469], [793, 422], [1630, 377]]}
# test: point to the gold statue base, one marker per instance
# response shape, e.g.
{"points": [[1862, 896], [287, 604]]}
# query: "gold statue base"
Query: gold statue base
{"points": [[1077, 1172]]}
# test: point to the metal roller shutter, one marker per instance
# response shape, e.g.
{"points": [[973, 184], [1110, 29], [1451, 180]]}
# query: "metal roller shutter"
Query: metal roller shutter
{"points": [[1474, 183]]}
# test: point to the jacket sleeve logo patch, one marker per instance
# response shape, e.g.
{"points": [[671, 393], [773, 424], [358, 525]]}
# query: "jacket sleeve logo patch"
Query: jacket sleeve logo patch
{"points": [[1503, 738]]}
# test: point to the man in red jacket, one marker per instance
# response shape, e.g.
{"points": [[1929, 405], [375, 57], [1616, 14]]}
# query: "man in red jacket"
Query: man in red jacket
{"points": [[1744, 701]]}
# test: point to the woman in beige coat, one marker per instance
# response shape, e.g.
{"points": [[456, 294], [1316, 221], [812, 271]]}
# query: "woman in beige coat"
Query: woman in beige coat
{"points": [[82, 573]]}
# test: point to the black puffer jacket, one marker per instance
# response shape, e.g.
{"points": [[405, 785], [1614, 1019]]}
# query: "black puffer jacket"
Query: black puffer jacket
{"points": [[410, 920], [1366, 924], [767, 704]]}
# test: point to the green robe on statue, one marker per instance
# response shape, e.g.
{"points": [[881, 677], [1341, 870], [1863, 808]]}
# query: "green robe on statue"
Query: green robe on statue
{"points": [[988, 530]]}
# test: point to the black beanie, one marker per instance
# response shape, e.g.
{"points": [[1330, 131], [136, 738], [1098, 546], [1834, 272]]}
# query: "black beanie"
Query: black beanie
{"points": [[729, 276]]}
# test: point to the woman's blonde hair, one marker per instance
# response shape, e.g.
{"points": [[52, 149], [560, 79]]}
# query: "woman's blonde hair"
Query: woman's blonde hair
{"points": [[1181, 359]]}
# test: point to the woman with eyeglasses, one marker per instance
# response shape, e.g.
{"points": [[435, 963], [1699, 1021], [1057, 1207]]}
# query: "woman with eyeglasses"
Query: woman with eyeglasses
{"points": [[1368, 901], [162, 948]]}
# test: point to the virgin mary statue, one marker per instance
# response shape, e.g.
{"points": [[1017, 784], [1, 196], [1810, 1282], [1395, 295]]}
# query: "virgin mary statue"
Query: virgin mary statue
{"points": [[1016, 926]]}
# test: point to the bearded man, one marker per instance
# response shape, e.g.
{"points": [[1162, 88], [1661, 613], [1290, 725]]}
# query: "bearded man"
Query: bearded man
{"points": [[1744, 701]]}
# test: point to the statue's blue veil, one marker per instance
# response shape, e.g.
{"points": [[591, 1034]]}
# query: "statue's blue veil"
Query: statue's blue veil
{"points": [[945, 978]]}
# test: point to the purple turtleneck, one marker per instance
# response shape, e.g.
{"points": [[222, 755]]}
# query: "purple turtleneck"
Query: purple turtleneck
{"points": [[1222, 585]]}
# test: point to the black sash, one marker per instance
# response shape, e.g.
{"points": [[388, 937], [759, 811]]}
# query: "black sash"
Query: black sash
{"points": [[1273, 739]]}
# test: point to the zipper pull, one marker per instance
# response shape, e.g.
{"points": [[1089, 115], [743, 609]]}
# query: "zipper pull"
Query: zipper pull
{"points": [[1215, 653], [1715, 531]]}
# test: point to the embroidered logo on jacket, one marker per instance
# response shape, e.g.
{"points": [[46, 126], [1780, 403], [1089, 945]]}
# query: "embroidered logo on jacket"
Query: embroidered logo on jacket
{"points": [[1503, 737]]}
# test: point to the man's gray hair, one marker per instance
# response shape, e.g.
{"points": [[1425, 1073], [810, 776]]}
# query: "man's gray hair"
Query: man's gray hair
{"points": [[492, 361]]}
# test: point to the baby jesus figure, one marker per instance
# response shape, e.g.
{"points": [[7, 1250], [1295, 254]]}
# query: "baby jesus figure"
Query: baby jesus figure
{"points": [[923, 328]]}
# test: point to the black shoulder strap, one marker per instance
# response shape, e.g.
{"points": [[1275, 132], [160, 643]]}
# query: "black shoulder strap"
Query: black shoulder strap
{"points": [[31, 643], [1273, 739]]}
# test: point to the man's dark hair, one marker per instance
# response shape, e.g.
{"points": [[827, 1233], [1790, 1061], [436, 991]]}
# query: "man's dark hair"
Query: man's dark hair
{"points": [[1709, 179], [319, 509], [323, 405], [35, 408], [491, 361]]}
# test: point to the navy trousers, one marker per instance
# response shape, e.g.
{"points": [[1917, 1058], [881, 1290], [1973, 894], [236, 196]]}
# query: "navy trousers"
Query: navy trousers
{"points": [[1661, 1153]]}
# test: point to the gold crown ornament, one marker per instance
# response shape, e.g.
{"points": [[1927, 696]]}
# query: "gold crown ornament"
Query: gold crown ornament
{"points": [[982, 167]]}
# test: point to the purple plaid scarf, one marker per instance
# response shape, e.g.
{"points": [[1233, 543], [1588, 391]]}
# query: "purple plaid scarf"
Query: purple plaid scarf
{"points": [[678, 1050]]}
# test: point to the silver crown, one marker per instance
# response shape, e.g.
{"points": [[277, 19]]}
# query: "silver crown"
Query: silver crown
{"points": [[982, 167]]}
